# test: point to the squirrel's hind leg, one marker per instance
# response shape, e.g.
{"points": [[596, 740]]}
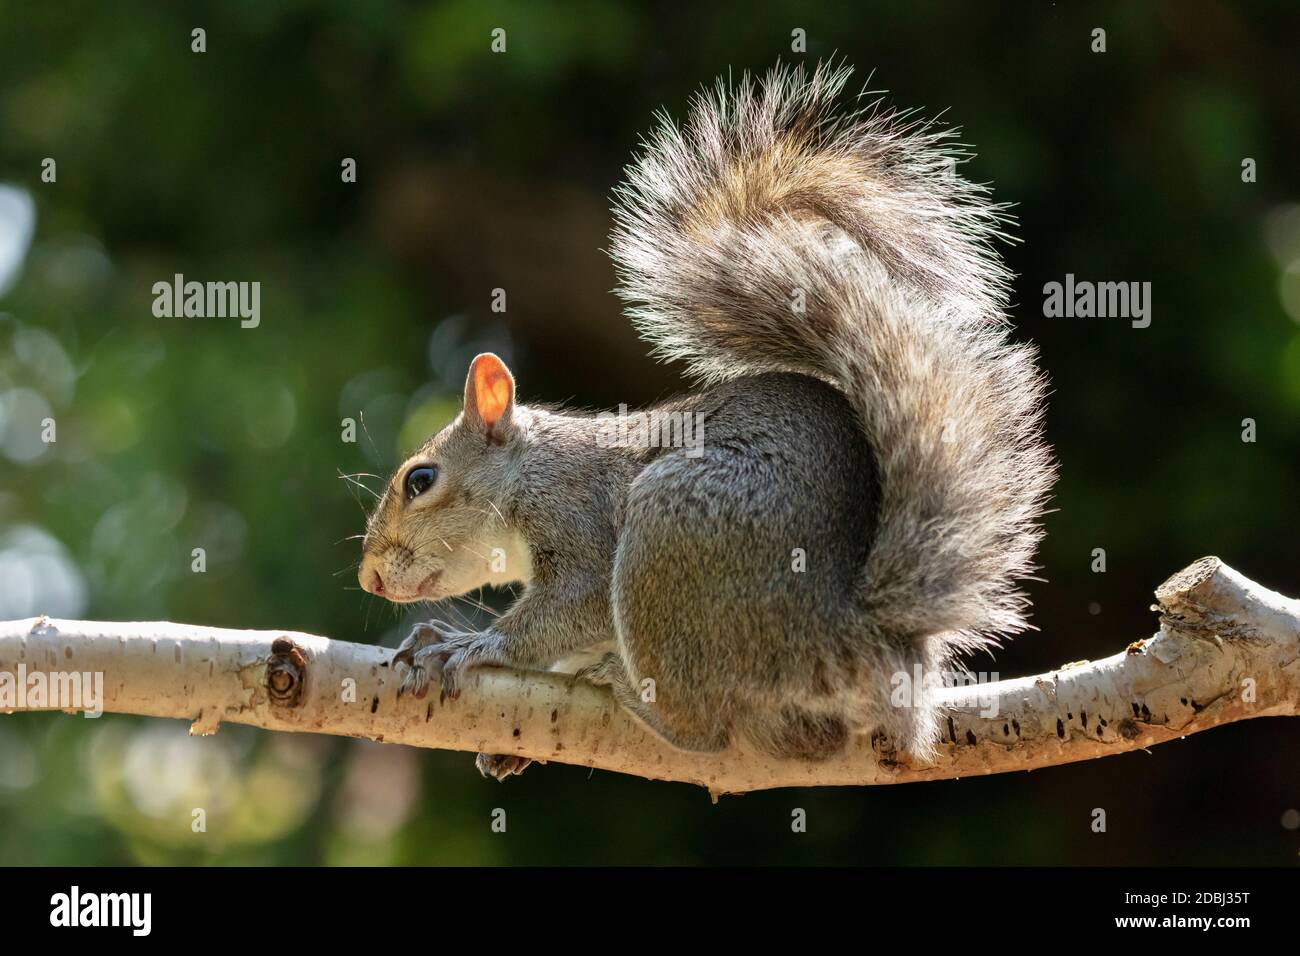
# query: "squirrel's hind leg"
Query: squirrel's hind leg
{"points": [[610, 672], [792, 732], [797, 734]]}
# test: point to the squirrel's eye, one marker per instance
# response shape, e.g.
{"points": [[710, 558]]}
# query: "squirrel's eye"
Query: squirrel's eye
{"points": [[419, 480]]}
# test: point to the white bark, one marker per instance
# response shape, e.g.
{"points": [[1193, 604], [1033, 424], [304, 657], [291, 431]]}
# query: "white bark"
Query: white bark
{"points": [[1227, 650]]}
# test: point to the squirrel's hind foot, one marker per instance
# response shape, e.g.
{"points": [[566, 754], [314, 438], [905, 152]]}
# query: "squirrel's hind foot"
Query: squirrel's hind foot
{"points": [[501, 766]]}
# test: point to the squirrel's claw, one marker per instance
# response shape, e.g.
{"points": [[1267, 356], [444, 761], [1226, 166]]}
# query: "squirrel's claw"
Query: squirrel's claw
{"points": [[421, 636]]}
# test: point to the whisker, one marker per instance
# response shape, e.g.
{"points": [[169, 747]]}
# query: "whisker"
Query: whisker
{"points": [[353, 482], [362, 417], [479, 605], [460, 619]]}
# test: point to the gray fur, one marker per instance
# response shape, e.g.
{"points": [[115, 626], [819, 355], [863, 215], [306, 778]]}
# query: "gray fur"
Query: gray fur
{"points": [[890, 430]]}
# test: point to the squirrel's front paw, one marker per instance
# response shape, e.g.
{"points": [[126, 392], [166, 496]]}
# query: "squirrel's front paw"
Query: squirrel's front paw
{"points": [[415, 678], [436, 647]]}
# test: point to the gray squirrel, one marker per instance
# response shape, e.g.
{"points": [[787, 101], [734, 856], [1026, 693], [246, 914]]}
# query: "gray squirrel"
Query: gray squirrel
{"points": [[871, 469]]}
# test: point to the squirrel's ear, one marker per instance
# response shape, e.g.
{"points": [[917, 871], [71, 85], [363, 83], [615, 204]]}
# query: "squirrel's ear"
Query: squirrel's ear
{"points": [[489, 394]]}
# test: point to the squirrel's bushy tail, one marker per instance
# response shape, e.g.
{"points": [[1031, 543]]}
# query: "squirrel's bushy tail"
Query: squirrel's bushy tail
{"points": [[771, 232]]}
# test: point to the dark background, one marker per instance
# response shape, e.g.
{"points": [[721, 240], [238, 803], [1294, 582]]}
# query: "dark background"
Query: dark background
{"points": [[479, 171]]}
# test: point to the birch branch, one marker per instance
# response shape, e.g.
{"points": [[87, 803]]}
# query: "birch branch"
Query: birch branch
{"points": [[1227, 649]]}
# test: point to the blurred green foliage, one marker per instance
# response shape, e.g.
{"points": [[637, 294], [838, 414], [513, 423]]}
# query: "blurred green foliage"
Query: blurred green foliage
{"points": [[479, 171]]}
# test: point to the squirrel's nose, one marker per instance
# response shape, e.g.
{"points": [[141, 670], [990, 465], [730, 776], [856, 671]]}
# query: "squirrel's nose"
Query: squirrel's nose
{"points": [[371, 581]]}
